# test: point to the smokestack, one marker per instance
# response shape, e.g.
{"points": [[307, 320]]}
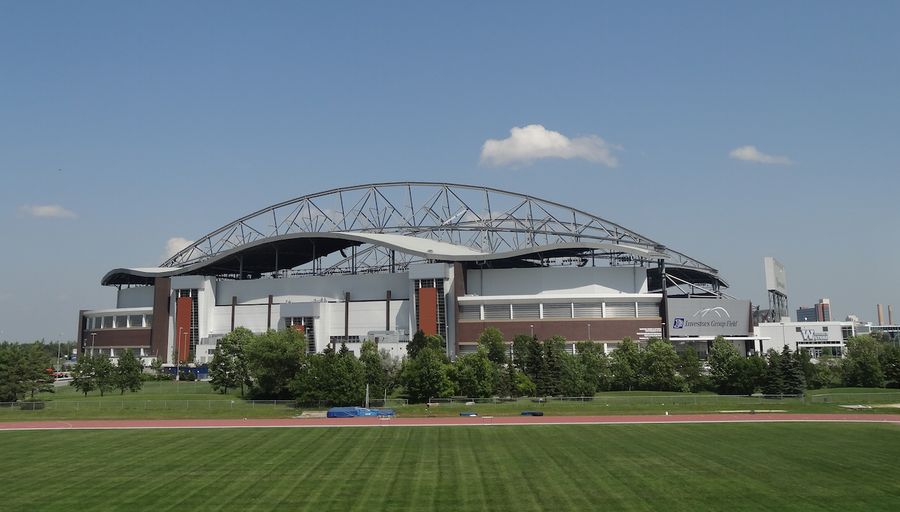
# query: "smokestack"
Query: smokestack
{"points": [[890, 314], [880, 315]]}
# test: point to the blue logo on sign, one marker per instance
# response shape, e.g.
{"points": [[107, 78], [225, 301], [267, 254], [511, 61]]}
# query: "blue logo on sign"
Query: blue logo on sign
{"points": [[678, 323]]}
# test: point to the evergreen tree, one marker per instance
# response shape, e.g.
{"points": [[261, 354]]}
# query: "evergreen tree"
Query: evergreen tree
{"points": [[792, 372], [773, 377], [551, 366]]}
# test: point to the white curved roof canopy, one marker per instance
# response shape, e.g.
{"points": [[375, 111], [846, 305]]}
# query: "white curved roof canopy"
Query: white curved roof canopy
{"points": [[390, 225]]}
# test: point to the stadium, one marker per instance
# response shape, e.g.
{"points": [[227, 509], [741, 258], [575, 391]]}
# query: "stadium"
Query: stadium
{"points": [[381, 261]]}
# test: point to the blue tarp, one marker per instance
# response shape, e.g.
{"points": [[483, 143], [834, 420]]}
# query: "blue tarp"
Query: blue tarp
{"points": [[352, 412]]}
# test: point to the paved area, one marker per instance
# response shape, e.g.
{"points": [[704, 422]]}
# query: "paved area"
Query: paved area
{"points": [[448, 421]]}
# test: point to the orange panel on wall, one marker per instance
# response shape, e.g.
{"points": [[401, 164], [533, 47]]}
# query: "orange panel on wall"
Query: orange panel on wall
{"points": [[428, 310], [183, 327]]}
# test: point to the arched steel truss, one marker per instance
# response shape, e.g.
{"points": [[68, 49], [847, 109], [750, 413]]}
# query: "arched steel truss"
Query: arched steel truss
{"points": [[482, 218]]}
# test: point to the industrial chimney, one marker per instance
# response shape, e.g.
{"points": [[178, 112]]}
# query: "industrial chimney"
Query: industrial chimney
{"points": [[880, 315]]}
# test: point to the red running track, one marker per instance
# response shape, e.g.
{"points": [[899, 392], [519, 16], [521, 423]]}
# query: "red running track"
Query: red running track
{"points": [[446, 421]]}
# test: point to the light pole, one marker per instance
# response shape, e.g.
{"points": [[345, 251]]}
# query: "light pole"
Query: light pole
{"points": [[58, 352], [93, 335], [532, 330], [589, 332]]}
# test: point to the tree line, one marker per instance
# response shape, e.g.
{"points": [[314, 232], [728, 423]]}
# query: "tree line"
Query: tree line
{"points": [[275, 365]]}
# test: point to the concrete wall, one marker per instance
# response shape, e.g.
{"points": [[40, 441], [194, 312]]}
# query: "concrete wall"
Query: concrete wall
{"points": [[531, 281], [138, 297], [310, 288]]}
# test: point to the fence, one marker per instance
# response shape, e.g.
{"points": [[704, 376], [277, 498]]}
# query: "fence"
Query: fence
{"points": [[683, 398], [888, 397], [148, 405]]}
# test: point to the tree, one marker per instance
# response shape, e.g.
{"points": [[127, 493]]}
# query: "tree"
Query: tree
{"points": [[792, 376], [573, 380], [273, 360], [595, 364], [862, 366], [229, 367], [475, 375], [83, 375], [689, 369], [660, 362], [128, 373], [773, 378], [425, 376], [492, 340], [624, 363], [104, 374], [550, 369], [724, 365], [157, 366], [12, 378], [890, 364], [527, 355], [376, 376]]}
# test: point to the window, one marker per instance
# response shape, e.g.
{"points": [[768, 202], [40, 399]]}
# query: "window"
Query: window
{"points": [[470, 312], [648, 309], [825, 328], [438, 284], [135, 320], [148, 320], [557, 311], [620, 310], [496, 311], [798, 329], [337, 340], [107, 322], [526, 310], [195, 331], [121, 322], [306, 323], [588, 310]]}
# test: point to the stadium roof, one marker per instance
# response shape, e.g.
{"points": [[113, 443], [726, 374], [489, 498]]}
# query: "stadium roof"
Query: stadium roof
{"points": [[387, 226]]}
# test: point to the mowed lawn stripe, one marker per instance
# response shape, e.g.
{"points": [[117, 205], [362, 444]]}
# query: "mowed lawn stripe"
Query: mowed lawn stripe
{"points": [[624, 467]]}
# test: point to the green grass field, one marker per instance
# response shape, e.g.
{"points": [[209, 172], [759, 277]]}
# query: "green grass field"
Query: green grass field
{"points": [[186, 400], [625, 467]]}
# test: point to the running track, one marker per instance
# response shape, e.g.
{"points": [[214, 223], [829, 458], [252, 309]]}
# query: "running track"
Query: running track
{"points": [[447, 421]]}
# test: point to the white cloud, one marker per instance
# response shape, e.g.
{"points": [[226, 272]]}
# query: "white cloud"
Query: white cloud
{"points": [[751, 154], [533, 142], [175, 244], [47, 211]]}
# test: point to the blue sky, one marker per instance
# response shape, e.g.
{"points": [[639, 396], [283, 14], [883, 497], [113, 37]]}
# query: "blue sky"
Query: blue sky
{"points": [[147, 121]]}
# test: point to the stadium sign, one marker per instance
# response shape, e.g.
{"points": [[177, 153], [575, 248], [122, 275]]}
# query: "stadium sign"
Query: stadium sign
{"points": [[708, 317]]}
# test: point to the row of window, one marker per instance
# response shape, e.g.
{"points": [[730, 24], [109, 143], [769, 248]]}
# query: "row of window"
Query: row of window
{"points": [[337, 340], [559, 310], [96, 323]]}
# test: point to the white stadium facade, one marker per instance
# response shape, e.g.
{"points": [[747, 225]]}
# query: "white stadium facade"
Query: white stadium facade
{"points": [[380, 261]]}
